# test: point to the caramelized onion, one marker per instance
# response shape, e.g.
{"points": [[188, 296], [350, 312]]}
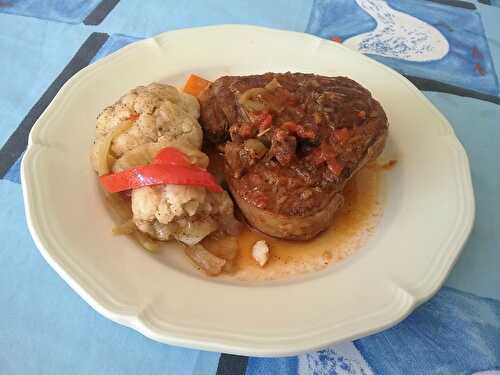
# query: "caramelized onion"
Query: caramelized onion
{"points": [[247, 99], [255, 146]]}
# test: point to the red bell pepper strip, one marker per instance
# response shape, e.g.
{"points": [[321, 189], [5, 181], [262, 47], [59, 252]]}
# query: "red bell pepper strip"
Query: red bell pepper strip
{"points": [[157, 174], [170, 166], [172, 156]]}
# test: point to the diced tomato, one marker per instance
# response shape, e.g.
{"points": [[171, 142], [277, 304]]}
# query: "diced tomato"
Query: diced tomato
{"points": [[335, 166], [246, 130], [342, 135], [266, 120], [300, 130], [260, 199], [318, 156], [255, 179], [290, 126], [336, 39], [325, 153], [281, 134], [305, 133]]}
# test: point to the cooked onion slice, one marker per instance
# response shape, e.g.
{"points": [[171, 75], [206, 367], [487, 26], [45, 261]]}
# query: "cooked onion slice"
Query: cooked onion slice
{"points": [[123, 213], [206, 260], [225, 247], [102, 153]]}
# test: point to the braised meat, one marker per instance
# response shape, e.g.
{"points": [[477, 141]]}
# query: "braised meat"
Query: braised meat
{"points": [[291, 141]]}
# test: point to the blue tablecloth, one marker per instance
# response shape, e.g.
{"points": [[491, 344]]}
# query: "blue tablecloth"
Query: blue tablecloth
{"points": [[448, 48]]}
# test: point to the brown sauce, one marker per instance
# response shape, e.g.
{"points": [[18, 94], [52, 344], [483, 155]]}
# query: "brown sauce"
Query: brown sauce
{"points": [[351, 227]]}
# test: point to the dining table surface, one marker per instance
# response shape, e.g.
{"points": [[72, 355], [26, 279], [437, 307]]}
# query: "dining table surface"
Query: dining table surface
{"points": [[449, 49]]}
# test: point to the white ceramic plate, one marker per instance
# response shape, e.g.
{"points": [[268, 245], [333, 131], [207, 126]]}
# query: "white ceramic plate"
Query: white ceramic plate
{"points": [[428, 214]]}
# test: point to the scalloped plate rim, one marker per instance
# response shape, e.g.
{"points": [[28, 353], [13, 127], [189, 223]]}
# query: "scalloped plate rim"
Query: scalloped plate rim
{"points": [[134, 320]]}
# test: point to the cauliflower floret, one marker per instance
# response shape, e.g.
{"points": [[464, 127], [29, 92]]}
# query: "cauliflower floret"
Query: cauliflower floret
{"points": [[146, 102], [174, 123], [223, 203], [150, 118], [145, 126], [175, 199], [111, 117], [186, 213], [128, 99], [143, 131], [164, 91], [145, 202], [157, 112], [190, 104]]}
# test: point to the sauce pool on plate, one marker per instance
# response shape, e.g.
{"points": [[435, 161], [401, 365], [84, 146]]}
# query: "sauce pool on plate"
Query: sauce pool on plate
{"points": [[352, 225]]}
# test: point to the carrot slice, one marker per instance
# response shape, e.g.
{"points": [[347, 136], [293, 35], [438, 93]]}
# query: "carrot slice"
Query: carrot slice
{"points": [[195, 85]]}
